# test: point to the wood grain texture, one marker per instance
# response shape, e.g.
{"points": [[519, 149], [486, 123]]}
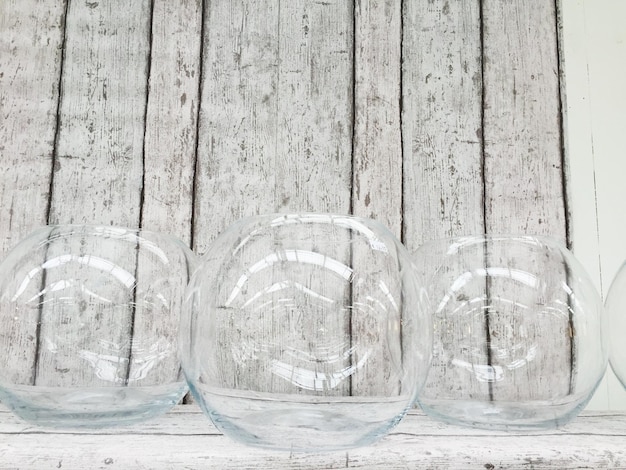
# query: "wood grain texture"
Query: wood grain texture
{"points": [[523, 155], [237, 130], [314, 107], [523, 173], [377, 160], [441, 121], [313, 167], [275, 132], [171, 118], [276, 112], [99, 163], [237, 159], [98, 170], [376, 188], [31, 41], [169, 161], [83, 342], [185, 438], [443, 190]]}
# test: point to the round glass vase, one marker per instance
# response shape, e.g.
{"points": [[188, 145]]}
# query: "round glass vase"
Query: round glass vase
{"points": [[306, 332], [517, 327], [89, 319], [616, 310]]}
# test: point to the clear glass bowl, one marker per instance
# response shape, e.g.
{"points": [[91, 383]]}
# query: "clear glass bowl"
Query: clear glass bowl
{"points": [[306, 332], [616, 310], [89, 319], [518, 325]]}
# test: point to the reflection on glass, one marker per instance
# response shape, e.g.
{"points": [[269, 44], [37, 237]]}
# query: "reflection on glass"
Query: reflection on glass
{"points": [[517, 332], [297, 321], [92, 312]]}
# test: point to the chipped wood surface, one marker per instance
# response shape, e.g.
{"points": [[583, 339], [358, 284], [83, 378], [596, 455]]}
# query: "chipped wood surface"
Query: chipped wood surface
{"points": [[171, 118], [376, 173], [30, 63], [523, 175], [100, 132], [99, 144], [442, 127], [443, 160]]}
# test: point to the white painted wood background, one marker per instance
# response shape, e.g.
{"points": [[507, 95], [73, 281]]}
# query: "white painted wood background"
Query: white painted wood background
{"points": [[183, 116], [594, 54]]}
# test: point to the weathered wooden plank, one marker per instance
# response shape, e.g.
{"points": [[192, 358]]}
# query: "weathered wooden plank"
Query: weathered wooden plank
{"points": [[187, 439], [163, 269], [171, 117], [31, 38], [83, 340], [314, 107], [275, 135], [98, 169], [377, 160], [237, 134], [236, 142], [99, 158], [314, 162], [441, 117], [524, 181], [443, 192], [523, 155], [169, 160], [376, 188]]}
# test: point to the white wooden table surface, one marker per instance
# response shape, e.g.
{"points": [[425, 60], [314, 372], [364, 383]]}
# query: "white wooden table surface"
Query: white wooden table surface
{"points": [[185, 439]]}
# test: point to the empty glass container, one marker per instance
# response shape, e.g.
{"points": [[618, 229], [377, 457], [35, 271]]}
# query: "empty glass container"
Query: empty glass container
{"points": [[306, 332], [517, 332], [89, 319]]}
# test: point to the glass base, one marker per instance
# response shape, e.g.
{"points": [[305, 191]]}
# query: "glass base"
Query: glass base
{"points": [[90, 407], [505, 416], [301, 423]]}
